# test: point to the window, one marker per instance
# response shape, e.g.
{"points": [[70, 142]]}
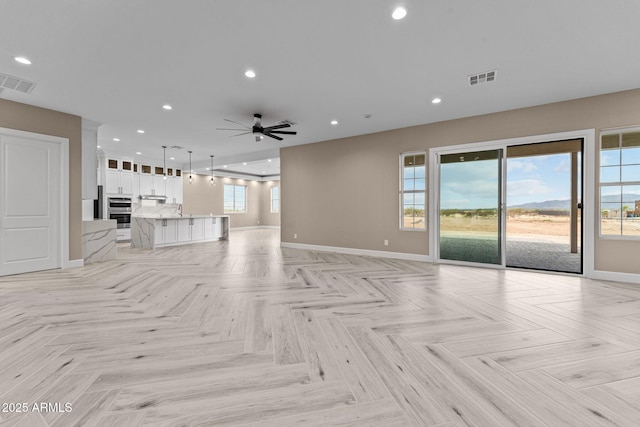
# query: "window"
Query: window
{"points": [[235, 198], [620, 183], [413, 192], [275, 199]]}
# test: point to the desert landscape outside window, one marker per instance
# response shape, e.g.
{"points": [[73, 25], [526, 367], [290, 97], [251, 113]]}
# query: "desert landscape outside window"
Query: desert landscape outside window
{"points": [[413, 192], [620, 183]]}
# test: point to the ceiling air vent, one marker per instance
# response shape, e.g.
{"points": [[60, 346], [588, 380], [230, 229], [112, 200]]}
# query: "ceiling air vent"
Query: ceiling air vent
{"points": [[15, 83], [485, 77]]}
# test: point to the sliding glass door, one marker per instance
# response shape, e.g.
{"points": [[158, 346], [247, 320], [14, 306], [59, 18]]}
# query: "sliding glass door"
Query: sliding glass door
{"points": [[470, 223], [512, 205], [544, 206]]}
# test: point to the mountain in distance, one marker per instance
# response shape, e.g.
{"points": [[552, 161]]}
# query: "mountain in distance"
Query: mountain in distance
{"points": [[565, 204], [547, 204]]}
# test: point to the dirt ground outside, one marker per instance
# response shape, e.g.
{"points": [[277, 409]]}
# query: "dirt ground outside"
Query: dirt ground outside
{"points": [[535, 228], [527, 227]]}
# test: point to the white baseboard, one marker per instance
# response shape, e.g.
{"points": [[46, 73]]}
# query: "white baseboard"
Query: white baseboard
{"points": [[614, 276], [364, 252], [254, 227], [73, 263]]}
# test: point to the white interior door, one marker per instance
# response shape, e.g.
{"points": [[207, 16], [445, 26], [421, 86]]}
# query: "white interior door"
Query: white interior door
{"points": [[30, 204]]}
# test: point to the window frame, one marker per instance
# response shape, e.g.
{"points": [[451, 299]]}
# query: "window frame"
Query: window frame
{"points": [[224, 206], [277, 187], [402, 190], [619, 183]]}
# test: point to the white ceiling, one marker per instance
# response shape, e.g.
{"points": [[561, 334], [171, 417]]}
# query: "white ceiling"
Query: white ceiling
{"points": [[117, 63], [266, 169]]}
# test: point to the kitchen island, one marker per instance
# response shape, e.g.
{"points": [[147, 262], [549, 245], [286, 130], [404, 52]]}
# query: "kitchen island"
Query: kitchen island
{"points": [[153, 231], [99, 240]]}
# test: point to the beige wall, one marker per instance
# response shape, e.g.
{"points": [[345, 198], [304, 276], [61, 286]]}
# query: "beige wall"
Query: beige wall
{"points": [[344, 192], [200, 198], [14, 115]]}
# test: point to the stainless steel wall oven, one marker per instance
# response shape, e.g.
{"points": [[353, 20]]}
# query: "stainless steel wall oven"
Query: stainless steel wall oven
{"points": [[120, 209]]}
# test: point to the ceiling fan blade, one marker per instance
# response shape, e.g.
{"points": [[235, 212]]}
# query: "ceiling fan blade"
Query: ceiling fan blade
{"points": [[284, 132], [282, 126], [243, 133], [273, 136], [241, 124]]}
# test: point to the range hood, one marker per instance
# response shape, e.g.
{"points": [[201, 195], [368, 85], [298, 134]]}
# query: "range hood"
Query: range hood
{"points": [[160, 199]]}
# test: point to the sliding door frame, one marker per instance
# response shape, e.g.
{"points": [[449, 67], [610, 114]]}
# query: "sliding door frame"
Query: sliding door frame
{"points": [[588, 183]]}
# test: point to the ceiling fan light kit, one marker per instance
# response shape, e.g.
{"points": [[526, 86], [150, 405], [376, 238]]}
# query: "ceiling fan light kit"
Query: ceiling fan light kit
{"points": [[260, 131]]}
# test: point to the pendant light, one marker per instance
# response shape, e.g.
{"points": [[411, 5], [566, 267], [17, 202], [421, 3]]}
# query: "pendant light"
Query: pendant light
{"points": [[190, 169], [164, 160], [212, 180]]}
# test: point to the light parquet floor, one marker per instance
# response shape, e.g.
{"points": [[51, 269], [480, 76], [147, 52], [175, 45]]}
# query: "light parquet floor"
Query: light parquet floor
{"points": [[244, 332]]}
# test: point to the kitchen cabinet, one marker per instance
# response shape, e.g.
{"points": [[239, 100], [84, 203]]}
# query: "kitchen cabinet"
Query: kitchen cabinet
{"points": [[197, 229], [117, 182], [190, 229], [153, 232], [166, 231], [123, 234], [212, 228], [118, 176], [173, 187], [154, 185], [146, 184], [159, 188], [122, 165], [184, 229], [169, 186], [136, 186]]}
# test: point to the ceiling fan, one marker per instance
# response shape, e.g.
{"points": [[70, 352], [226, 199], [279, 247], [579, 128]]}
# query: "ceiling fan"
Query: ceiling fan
{"points": [[260, 131]]}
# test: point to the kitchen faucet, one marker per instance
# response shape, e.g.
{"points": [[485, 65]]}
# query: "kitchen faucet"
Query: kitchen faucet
{"points": [[180, 209]]}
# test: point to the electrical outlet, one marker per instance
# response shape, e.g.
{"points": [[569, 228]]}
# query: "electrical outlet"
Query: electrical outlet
{"points": [[295, 236], [386, 243]]}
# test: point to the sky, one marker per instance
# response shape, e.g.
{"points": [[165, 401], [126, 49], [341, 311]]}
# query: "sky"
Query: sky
{"points": [[473, 185]]}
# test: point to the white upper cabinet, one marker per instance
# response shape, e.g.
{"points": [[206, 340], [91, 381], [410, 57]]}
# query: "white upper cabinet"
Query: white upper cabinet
{"points": [[119, 176], [158, 186], [124, 177]]}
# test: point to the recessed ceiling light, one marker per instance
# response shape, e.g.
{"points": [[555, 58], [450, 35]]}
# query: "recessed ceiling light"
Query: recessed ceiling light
{"points": [[334, 122], [268, 160], [172, 158], [399, 13], [224, 166], [138, 153], [167, 107], [116, 139], [250, 73], [22, 60], [436, 101], [264, 172], [244, 163], [98, 146], [140, 131]]}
